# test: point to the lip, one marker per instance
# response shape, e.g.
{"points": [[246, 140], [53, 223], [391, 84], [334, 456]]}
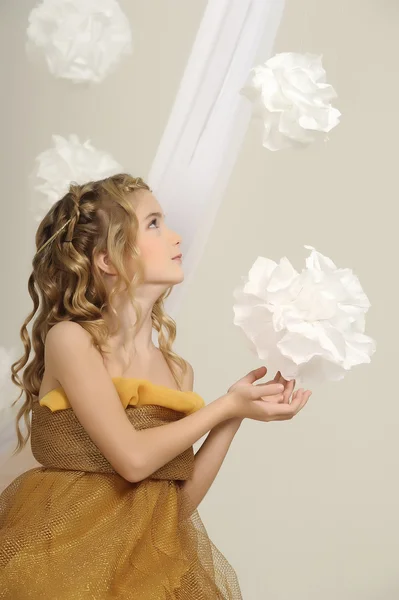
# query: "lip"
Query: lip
{"points": [[178, 256]]}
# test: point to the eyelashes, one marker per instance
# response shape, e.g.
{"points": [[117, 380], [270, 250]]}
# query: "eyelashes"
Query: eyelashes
{"points": [[153, 221]]}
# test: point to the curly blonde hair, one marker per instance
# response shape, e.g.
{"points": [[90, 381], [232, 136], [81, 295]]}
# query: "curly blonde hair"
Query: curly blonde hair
{"points": [[67, 285]]}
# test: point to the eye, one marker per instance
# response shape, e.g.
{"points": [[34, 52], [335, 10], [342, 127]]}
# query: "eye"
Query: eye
{"points": [[153, 221]]}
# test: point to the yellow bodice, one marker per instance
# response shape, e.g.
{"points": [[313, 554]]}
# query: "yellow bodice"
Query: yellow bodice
{"points": [[136, 392]]}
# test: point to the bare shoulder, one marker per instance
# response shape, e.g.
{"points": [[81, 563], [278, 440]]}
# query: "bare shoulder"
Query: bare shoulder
{"points": [[79, 367], [188, 378], [65, 341], [67, 332]]}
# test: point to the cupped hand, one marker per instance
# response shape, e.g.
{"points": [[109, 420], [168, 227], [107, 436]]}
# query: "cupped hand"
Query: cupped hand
{"points": [[241, 392], [256, 374]]}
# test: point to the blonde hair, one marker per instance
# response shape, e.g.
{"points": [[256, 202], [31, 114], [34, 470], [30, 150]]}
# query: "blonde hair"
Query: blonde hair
{"points": [[67, 285]]}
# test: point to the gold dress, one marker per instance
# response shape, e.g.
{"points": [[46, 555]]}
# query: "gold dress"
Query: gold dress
{"points": [[74, 528]]}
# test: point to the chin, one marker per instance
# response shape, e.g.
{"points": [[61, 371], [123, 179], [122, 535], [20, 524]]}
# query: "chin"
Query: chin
{"points": [[179, 278]]}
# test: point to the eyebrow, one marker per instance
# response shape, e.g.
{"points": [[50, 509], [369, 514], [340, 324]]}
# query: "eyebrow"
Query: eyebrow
{"points": [[154, 214]]}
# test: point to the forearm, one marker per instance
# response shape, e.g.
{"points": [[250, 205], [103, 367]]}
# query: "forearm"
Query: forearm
{"points": [[209, 459], [159, 445]]}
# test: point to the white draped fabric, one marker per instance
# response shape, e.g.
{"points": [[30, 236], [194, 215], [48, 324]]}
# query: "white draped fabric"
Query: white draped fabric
{"points": [[208, 122]]}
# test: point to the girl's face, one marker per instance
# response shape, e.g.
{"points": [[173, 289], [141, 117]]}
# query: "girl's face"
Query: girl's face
{"points": [[157, 243]]}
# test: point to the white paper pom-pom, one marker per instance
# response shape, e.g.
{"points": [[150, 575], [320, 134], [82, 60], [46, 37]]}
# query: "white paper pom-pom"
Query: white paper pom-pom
{"points": [[71, 161], [308, 325], [82, 40], [291, 96]]}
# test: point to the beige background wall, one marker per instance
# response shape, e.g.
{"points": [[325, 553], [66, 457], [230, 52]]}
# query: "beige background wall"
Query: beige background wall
{"points": [[305, 509]]}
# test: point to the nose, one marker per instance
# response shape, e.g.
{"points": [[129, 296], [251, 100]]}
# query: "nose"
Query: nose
{"points": [[178, 239]]}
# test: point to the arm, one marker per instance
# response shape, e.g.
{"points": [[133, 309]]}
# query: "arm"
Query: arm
{"points": [[135, 454], [159, 445], [211, 455]]}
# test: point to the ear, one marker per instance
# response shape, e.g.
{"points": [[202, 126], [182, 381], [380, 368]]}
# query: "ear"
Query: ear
{"points": [[104, 264]]}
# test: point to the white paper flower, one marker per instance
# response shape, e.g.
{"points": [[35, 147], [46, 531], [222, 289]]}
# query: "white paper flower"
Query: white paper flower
{"points": [[8, 413], [291, 96], [308, 325], [82, 40], [69, 160]]}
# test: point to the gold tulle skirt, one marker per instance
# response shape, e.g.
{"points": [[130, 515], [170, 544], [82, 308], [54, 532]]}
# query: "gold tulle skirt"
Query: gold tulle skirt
{"points": [[76, 533], [71, 535]]}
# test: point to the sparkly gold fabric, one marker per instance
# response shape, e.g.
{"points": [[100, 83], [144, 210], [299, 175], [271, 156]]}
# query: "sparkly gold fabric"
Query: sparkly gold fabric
{"points": [[75, 529]]}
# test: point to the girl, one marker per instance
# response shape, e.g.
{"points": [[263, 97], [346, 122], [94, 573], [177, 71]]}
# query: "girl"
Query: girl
{"points": [[112, 511]]}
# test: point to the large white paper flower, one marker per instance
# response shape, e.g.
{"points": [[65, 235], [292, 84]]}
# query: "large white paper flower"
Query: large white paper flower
{"points": [[82, 40], [291, 96], [308, 325], [70, 160]]}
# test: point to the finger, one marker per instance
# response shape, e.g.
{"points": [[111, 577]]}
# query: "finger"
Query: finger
{"points": [[278, 378], [283, 380], [276, 399], [256, 374], [293, 386], [297, 401], [261, 371], [282, 412], [305, 398], [252, 376], [300, 400], [289, 388], [267, 389]]}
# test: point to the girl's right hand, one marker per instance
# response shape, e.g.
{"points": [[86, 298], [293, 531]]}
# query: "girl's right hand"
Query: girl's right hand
{"points": [[267, 401]]}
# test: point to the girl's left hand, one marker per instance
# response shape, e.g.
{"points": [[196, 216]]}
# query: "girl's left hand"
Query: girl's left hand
{"points": [[260, 372]]}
